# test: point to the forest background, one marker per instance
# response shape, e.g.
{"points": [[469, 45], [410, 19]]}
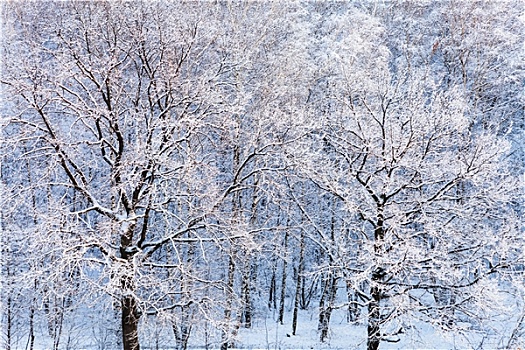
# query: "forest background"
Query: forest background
{"points": [[172, 173]]}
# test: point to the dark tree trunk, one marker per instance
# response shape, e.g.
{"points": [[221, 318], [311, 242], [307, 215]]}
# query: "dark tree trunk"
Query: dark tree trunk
{"points": [[59, 320], [183, 335], [326, 306], [322, 300], [353, 307], [226, 337], [9, 322], [374, 311], [247, 302], [182, 332], [130, 309], [298, 283], [130, 322], [176, 334], [324, 321], [283, 278], [374, 319], [272, 303], [330, 286]]}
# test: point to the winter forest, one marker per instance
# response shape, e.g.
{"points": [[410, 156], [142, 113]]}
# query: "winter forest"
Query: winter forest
{"points": [[272, 175]]}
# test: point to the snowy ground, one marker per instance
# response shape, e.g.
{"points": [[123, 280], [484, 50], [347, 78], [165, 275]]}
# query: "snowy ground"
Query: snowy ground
{"points": [[268, 334]]}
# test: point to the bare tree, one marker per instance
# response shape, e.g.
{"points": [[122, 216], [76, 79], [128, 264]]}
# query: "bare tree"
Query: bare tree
{"points": [[119, 95]]}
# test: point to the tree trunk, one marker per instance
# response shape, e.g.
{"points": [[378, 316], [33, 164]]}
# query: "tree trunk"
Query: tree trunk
{"points": [[32, 327], [374, 312], [326, 312], [183, 335], [353, 307], [374, 337], [176, 334], [272, 291], [283, 280], [59, 320], [321, 304], [226, 342], [9, 321], [130, 322], [246, 317], [9, 306], [330, 286], [183, 330], [130, 309], [298, 283]]}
